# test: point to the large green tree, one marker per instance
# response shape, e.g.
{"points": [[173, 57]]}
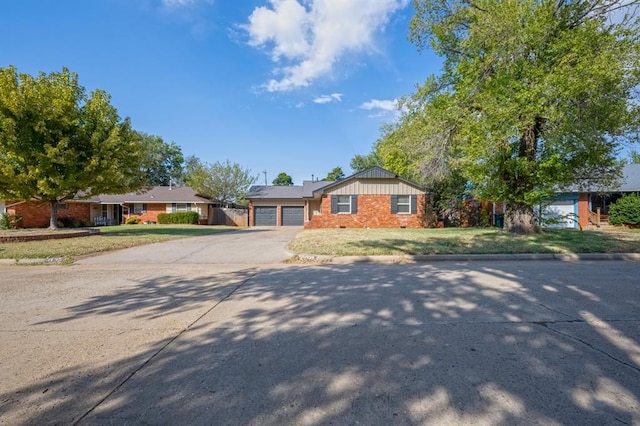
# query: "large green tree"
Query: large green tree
{"points": [[534, 95], [225, 182], [163, 162], [336, 174], [59, 143], [360, 162], [282, 179]]}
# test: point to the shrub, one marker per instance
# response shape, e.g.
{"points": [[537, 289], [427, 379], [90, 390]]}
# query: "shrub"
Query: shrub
{"points": [[178, 218], [132, 220], [625, 211], [9, 220]]}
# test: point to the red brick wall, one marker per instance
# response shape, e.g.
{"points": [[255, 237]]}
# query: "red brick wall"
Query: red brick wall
{"points": [[374, 211], [151, 215], [36, 215], [583, 210]]}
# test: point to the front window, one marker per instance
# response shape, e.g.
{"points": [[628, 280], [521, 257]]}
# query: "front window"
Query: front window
{"points": [[344, 203], [139, 208], [181, 207], [404, 204]]}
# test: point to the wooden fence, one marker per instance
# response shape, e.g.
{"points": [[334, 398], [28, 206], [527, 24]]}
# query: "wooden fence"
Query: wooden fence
{"points": [[229, 216]]}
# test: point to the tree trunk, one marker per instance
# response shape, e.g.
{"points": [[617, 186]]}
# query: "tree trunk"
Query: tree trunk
{"points": [[53, 219], [519, 219]]}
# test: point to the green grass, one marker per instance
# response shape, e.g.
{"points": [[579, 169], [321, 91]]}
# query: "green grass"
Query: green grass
{"points": [[109, 238], [362, 242]]}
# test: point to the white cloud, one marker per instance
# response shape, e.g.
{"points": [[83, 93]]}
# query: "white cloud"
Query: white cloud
{"points": [[387, 109], [386, 105], [308, 37], [325, 99]]}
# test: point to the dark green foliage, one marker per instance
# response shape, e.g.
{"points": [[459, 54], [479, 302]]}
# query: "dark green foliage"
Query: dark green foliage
{"points": [[361, 163], [163, 162], [283, 179], [335, 175], [178, 218], [9, 221], [625, 211]]}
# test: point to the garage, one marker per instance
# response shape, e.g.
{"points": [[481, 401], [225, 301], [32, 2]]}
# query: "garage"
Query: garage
{"points": [[560, 214], [265, 216], [292, 216]]}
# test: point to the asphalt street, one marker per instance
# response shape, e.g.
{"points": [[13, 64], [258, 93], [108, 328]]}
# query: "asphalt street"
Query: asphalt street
{"points": [[122, 340]]}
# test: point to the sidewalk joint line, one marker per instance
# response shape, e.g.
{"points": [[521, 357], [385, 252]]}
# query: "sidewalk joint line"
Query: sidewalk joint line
{"points": [[163, 347]]}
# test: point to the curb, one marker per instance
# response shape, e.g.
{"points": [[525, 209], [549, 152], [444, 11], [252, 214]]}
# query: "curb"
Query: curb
{"points": [[48, 260], [422, 258]]}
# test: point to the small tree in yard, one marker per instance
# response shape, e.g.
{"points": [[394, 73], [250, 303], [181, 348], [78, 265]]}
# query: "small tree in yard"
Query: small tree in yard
{"points": [[223, 182], [57, 143]]}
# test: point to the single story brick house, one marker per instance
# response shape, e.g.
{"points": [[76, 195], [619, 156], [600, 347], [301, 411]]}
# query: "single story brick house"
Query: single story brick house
{"points": [[373, 198], [113, 209], [580, 207]]}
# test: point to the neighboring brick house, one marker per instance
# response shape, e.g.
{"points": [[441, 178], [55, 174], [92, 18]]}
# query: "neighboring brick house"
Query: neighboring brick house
{"points": [[581, 207], [114, 209], [374, 198]]}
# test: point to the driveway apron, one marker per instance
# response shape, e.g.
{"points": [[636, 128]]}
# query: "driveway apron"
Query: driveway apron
{"points": [[251, 246]]}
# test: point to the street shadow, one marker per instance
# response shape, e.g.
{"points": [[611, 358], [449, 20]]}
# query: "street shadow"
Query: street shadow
{"points": [[455, 343]]}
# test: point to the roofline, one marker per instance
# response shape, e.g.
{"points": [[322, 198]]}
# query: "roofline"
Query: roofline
{"points": [[356, 176]]}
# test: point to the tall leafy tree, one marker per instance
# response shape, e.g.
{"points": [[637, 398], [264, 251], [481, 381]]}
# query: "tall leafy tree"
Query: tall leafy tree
{"points": [[534, 95], [163, 162], [634, 157], [335, 174], [283, 179], [225, 182], [360, 162], [59, 143]]}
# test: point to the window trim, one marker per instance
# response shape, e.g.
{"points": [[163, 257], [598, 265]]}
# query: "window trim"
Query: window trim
{"points": [[143, 208], [353, 204], [404, 204], [413, 204], [343, 203]]}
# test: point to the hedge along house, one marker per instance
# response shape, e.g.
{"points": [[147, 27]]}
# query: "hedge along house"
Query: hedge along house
{"points": [[583, 207], [114, 209], [374, 198]]}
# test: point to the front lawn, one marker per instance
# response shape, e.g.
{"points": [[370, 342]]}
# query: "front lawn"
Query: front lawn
{"points": [[109, 238], [367, 242]]}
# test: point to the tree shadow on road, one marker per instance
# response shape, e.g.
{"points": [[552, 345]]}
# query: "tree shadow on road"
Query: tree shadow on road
{"points": [[458, 343]]}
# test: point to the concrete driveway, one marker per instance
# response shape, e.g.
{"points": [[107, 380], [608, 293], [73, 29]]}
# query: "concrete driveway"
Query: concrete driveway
{"points": [[260, 245], [529, 342]]}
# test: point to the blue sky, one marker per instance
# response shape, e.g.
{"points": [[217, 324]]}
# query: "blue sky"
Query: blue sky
{"points": [[295, 86]]}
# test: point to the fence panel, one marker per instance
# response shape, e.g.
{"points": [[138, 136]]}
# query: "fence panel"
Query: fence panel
{"points": [[229, 216]]}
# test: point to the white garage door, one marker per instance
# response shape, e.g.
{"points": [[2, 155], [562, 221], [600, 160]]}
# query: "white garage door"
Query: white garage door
{"points": [[560, 214]]}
